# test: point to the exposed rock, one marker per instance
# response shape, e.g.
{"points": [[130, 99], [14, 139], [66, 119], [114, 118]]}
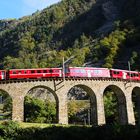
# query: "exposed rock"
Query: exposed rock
{"points": [[111, 13]]}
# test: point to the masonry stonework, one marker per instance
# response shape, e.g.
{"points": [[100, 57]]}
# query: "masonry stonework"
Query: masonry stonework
{"points": [[18, 89]]}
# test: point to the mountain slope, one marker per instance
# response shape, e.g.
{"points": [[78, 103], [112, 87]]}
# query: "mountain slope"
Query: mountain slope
{"points": [[103, 30]]}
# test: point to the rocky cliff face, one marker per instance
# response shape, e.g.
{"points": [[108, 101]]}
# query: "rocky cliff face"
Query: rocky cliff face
{"points": [[111, 13], [115, 10]]}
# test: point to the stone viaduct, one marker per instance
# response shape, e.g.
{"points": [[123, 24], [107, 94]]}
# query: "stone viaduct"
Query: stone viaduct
{"points": [[18, 89]]}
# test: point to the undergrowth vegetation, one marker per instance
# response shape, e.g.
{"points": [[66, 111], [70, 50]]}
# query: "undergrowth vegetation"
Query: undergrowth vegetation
{"points": [[12, 131]]}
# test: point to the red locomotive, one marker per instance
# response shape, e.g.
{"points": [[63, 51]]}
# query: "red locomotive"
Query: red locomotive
{"points": [[87, 72], [69, 72]]}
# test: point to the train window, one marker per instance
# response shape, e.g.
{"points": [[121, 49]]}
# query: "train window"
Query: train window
{"points": [[128, 74], [32, 71], [98, 71], [135, 75], [56, 71], [116, 72], [14, 72], [44, 71], [51, 71], [25, 72], [38, 71], [19, 72], [83, 71], [77, 71], [72, 70]]}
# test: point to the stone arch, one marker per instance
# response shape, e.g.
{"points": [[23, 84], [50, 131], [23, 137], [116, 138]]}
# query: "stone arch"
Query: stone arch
{"points": [[93, 101], [51, 91], [136, 103], [5, 101], [121, 103], [5, 92], [45, 87]]}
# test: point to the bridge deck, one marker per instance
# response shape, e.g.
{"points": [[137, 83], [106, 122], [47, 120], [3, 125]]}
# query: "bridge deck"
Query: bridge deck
{"points": [[66, 79]]}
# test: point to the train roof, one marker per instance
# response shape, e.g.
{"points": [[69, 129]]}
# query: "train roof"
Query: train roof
{"points": [[89, 67], [35, 69], [123, 70]]}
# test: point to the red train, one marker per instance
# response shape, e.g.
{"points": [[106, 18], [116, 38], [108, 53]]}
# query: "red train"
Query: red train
{"points": [[69, 72]]}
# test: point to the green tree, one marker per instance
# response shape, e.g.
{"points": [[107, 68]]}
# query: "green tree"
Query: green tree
{"points": [[5, 105], [110, 104], [37, 110], [111, 46]]}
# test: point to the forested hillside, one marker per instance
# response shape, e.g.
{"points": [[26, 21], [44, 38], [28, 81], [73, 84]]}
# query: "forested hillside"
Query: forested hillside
{"points": [[103, 33]]}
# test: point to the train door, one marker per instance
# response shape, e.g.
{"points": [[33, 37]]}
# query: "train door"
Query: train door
{"points": [[88, 73], [3, 74], [60, 73], [124, 75]]}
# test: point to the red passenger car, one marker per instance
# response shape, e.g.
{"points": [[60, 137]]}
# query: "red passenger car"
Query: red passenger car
{"points": [[125, 74], [87, 72], [34, 73], [2, 74]]}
